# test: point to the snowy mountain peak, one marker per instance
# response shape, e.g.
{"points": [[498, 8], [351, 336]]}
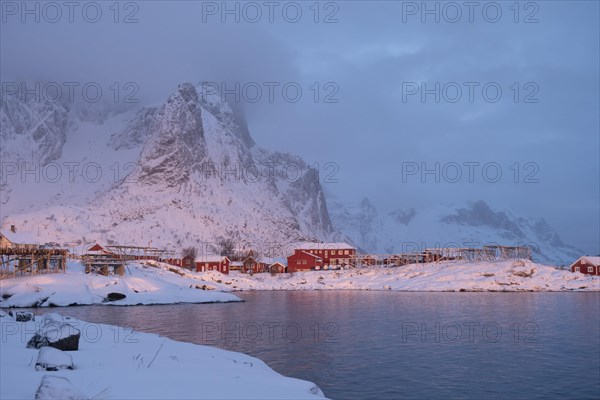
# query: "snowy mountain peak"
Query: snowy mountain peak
{"points": [[229, 115], [175, 147], [183, 173], [480, 214]]}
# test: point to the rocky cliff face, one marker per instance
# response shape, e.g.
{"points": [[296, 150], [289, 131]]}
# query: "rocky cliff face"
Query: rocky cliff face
{"points": [[175, 147], [32, 132]]}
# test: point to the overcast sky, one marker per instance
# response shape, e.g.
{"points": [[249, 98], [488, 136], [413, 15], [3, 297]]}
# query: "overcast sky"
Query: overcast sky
{"points": [[372, 59]]}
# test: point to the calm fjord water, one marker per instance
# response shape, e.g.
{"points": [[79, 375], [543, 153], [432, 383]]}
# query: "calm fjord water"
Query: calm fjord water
{"points": [[391, 345]]}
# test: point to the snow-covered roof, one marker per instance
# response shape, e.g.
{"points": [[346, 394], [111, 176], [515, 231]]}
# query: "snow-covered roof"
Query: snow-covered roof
{"points": [[210, 258], [20, 237], [591, 260], [264, 260], [323, 246], [277, 262], [281, 260]]}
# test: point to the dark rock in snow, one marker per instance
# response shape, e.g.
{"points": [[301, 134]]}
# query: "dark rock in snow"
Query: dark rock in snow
{"points": [[22, 316], [114, 296], [51, 359], [57, 387], [57, 334]]}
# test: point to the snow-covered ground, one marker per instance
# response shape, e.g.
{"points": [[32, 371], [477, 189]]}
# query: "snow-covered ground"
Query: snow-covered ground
{"points": [[444, 276], [142, 284], [113, 363], [157, 283]]}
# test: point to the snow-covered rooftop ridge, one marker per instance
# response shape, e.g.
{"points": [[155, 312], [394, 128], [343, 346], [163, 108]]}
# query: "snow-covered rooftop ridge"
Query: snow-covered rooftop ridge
{"points": [[210, 258], [20, 237], [264, 260], [322, 246], [281, 260], [591, 259]]}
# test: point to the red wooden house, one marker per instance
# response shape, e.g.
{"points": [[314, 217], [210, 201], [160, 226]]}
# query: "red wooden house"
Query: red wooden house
{"points": [[303, 261], [587, 265], [187, 262], [236, 266], [277, 268], [174, 261], [213, 263], [254, 265], [369, 260], [308, 256]]}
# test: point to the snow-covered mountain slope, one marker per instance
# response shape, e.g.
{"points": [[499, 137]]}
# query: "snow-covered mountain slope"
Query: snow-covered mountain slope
{"points": [[184, 173], [475, 224]]}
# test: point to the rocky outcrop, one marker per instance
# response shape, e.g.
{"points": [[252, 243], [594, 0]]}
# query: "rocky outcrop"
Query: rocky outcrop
{"points": [[175, 147], [54, 332], [33, 131], [136, 132]]}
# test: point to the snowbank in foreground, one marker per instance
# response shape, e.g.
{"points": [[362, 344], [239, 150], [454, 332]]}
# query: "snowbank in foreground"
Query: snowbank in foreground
{"points": [[113, 363], [142, 284], [444, 276]]}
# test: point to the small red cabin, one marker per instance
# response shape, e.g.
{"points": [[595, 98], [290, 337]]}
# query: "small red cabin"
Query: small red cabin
{"points": [[187, 262], [174, 261], [587, 265], [254, 265], [276, 268], [213, 263]]}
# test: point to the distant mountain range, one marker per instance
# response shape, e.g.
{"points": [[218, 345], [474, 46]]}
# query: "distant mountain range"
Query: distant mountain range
{"points": [[188, 173], [475, 224]]}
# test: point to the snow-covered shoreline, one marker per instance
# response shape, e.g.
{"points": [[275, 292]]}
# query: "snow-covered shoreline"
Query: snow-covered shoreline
{"points": [[152, 283], [142, 285], [118, 363], [505, 276]]}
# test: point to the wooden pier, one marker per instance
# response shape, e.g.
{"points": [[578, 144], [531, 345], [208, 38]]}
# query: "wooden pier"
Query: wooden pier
{"points": [[31, 259], [113, 259]]}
